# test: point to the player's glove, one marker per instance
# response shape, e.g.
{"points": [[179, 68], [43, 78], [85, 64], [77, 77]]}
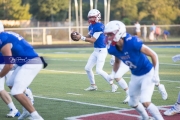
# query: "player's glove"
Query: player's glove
{"points": [[74, 36]]}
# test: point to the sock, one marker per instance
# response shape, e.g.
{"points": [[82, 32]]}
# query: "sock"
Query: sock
{"points": [[154, 111], [141, 110], [34, 114], [178, 99], [11, 106], [127, 92], [122, 83], [110, 79]]}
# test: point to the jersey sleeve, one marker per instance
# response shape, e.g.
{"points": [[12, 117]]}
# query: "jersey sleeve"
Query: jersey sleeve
{"points": [[137, 43], [99, 28]]}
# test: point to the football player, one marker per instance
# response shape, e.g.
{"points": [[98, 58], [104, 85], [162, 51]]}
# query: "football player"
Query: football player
{"points": [[97, 37], [176, 107], [5, 96], [12, 44], [130, 50], [122, 83], [117, 76]]}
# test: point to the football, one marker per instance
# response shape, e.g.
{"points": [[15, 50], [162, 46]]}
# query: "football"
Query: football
{"points": [[73, 36]]}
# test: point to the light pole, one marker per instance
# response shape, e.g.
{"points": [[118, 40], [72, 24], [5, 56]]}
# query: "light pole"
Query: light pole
{"points": [[81, 20], [105, 11], [96, 1], [91, 4], [69, 20], [108, 10], [77, 17]]}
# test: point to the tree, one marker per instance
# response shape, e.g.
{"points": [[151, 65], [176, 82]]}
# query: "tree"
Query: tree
{"points": [[13, 10], [124, 9], [47, 10], [159, 11]]}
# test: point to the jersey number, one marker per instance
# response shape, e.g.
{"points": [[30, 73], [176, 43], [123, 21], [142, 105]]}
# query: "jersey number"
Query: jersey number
{"points": [[130, 64]]}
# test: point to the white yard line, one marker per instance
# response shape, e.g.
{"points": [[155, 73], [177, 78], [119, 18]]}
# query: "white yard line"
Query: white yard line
{"points": [[63, 71], [94, 74], [83, 103], [73, 94], [68, 59]]}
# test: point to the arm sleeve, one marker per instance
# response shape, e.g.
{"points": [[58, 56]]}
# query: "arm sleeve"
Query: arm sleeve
{"points": [[156, 67], [97, 34]]}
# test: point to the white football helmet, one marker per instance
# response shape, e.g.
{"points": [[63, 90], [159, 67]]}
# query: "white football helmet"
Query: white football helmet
{"points": [[117, 28], [1, 27], [94, 13]]}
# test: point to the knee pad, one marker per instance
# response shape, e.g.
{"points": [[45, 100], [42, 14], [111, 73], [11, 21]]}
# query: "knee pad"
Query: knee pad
{"points": [[132, 103], [87, 68]]}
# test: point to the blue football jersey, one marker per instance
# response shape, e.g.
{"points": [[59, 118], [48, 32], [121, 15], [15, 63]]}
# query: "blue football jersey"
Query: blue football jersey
{"points": [[132, 56], [20, 47], [98, 27]]}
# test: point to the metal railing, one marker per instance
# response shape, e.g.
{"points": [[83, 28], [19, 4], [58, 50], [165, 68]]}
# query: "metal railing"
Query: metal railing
{"points": [[61, 35]]}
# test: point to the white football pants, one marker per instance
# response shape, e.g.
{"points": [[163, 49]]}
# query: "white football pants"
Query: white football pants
{"points": [[23, 75], [123, 68], [141, 88], [96, 58]]}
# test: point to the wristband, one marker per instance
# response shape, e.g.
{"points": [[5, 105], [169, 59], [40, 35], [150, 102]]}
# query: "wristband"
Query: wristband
{"points": [[83, 38]]}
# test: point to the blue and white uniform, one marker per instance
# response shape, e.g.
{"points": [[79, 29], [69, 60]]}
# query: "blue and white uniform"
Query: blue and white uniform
{"points": [[20, 47], [99, 54], [24, 74], [141, 85], [98, 27], [132, 56]]}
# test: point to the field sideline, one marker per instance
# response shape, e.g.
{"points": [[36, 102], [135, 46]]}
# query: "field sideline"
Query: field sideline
{"points": [[59, 89]]}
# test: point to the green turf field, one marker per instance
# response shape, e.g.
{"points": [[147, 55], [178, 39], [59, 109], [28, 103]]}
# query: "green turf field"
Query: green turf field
{"points": [[59, 89]]}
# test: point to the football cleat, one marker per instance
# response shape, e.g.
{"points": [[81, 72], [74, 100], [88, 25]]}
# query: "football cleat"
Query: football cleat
{"points": [[14, 113], [126, 100], [91, 88], [162, 91], [36, 118], [24, 115], [114, 88], [173, 110]]}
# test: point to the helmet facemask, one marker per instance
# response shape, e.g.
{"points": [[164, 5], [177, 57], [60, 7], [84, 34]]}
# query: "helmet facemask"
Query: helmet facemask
{"points": [[111, 37], [115, 30], [94, 16]]}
